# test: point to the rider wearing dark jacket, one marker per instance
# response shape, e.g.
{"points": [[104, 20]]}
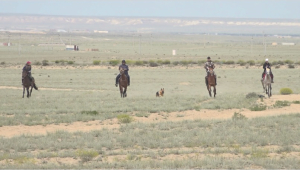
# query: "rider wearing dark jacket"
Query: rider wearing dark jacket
{"points": [[265, 66], [126, 69], [27, 69], [208, 64]]}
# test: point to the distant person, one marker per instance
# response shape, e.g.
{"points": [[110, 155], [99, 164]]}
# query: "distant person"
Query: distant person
{"points": [[208, 64], [265, 66], [126, 69], [27, 69]]}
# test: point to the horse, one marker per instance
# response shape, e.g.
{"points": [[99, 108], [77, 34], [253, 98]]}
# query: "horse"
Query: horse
{"points": [[266, 83], [211, 82], [27, 83], [123, 82]]}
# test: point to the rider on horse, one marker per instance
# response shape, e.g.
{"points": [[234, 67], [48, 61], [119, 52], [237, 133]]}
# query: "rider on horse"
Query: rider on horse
{"points": [[265, 66], [207, 65], [126, 69], [27, 69]]}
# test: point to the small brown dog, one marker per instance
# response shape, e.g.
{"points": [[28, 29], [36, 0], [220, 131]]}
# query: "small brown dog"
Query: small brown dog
{"points": [[160, 93]]}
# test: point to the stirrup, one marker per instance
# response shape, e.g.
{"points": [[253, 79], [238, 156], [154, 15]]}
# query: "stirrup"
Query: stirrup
{"points": [[116, 85]]}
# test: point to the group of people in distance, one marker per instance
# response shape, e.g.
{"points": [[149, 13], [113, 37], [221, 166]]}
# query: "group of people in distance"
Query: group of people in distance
{"points": [[208, 64]]}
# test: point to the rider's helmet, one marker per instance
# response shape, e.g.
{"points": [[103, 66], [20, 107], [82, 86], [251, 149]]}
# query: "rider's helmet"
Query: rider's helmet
{"points": [[28, 63], [267, 59], [208, 57], [123, 61]]}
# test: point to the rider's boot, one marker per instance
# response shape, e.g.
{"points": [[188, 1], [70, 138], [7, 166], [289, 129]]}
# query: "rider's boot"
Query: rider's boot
{"points": [[22, 81], [216, 80], [272, 81], [206, 82], [117, 80]]}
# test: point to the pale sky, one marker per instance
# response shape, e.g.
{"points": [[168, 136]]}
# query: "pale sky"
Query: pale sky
{"points": [[281, 9]]}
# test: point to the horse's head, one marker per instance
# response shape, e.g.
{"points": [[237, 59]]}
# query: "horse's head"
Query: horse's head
{"points": [[267, 71], [211, 70], [121, 71]]}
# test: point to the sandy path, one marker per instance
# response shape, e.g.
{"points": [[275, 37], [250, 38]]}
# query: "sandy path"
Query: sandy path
{"points": [[205, 114]]}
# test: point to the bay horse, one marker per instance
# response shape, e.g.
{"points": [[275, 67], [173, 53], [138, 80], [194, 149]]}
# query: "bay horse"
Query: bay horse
{"points": [[123, 82], [211, 81], [27, 83], [266, 83]]}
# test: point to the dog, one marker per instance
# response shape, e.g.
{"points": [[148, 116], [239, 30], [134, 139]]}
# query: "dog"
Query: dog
{"points": [[160, 93]]}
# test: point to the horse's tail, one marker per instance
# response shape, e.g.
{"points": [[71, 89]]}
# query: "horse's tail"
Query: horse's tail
{"points": [[35, 87]]}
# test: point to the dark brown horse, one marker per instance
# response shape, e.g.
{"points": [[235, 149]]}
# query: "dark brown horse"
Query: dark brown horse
{"points": [[27, 83], [123, 82], [211, 81]]}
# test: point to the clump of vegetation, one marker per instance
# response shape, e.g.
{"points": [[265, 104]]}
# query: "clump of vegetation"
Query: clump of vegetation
{"points": [[130, 62], [24, 160], [241, 62], [280, 62], [229, 62], [201, 62], [251, 95], [291, 66], [166, 62], [45, 62], [114, 62], [289, 62], [251, 62], [86, 155], [259, 153], [280, 104], [260, 62], [124, 118], [139, 63], [175, 63], [296, 102], [2, 63], [298, 62], [96, 62], [238, 116], [37, 63], [257, 107], [70, 62], [184, 62], [286, 91], [94, 112], [152, 63]]}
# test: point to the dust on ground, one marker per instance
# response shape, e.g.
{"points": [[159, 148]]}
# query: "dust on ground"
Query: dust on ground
{"points": [[205, 114]]}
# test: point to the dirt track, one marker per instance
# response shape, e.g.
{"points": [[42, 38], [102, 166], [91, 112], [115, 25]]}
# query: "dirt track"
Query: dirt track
{"points": [[11, 131]]}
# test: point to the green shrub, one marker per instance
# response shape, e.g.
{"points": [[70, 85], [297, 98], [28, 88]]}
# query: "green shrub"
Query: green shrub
{"points": [[139, 63], [86, 155], [280, 104], [145, 62], [175, 63], [280, 62], [184, 62], [37, 63], [286, 91], [251, 62], [201, 62], [70, 62], [274, 62], [229, 62], [130, 62], [258, 107], [259, 153], [238, 116], [45, 63], [96, 62], [159, 61], [251, 95], [296, 102], [241, 62], [114, 62], [289, 62], [291, 66], [2, 63], [90, 112], [260, 62], [123, 118], [56, 61], [166, 62], [24, 160], [153, 64]]}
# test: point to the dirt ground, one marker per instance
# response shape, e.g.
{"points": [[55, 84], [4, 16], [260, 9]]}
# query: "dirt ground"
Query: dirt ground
{"points": [[205, 114]]}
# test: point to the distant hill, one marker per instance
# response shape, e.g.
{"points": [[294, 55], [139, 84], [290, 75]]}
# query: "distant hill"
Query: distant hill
{"points": [[151, 24]]}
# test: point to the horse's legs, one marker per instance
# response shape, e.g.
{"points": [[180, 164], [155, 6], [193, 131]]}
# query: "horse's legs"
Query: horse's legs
{"points": [[27, 88], [23, 91], [125, 89], [30, 91], [215, 91], [121, 90], [209, 90]]}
